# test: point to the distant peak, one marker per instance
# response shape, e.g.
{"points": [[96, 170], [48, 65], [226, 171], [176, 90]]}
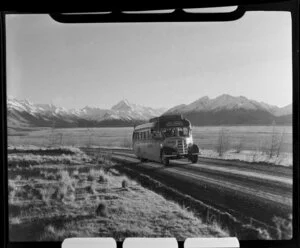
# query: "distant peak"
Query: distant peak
{"points": [[204, 98], [122, 105], [88, 107], [124, 101], [225, 96]]}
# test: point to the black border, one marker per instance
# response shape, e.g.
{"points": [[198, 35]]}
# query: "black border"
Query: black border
{"points": [[116, 15]]}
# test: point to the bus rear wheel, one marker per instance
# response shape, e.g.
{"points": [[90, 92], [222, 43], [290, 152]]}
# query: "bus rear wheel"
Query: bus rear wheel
{"points": [[164, 159], [193, 158]]}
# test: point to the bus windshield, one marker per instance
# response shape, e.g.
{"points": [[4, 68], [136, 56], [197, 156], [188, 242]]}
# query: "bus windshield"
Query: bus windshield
{"points": [[176, 132]]}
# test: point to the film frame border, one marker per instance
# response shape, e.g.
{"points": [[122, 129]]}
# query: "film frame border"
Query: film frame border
{"points": [[178, 15]]}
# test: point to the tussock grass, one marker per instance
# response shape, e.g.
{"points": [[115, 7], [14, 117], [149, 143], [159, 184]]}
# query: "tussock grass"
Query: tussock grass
{"points": [[75, 174], [45, 194], [104, 159], [52, 233], [125, 184], [15, 220], [101, 209], [284, 227], [11, 191], [59, 233], [65, 189], [48, 175], [97, 175], [91, 189], [18, 178]]}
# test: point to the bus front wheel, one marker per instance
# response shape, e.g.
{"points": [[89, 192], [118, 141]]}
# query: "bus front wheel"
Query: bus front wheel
{"points": [[194, 158], [164, 159]]}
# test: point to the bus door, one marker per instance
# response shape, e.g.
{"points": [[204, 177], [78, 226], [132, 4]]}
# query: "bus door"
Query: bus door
{"points": [[156, 142]]}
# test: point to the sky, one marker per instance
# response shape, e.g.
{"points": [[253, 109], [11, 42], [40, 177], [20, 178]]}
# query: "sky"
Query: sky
{"points": [[150, 64]]}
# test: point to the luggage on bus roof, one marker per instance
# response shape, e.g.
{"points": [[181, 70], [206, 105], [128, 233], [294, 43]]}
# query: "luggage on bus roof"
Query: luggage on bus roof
{"points": [[166, 117]]}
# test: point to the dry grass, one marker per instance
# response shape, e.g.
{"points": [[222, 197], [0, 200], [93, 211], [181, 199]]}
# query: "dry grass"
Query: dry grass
{"points": [[11, 191], [55, 202], [27, 157], [284, 227]]}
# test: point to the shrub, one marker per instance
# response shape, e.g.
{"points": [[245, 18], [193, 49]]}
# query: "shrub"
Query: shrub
{"points": [[124, 183], [65, 188], [51, 176], [45, 194], [100, 174], [75, 173], [92, 175], [240, 144], [91, 189], [103, 178], [18, 177], [101, 209], [223, 142], [11, 191]]}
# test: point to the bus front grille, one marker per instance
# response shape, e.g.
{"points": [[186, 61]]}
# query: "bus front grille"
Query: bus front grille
{"points": [[182, 147]]}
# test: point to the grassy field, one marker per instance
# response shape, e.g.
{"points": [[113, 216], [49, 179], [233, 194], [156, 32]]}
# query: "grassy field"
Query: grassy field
{"points": [[57, 193], [270, 144]]}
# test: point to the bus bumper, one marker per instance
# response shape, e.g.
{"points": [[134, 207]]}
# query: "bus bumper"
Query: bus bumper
{"points": [[180, 155]]}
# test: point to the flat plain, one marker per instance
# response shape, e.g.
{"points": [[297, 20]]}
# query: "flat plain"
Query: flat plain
{"points": [[207, 137]]}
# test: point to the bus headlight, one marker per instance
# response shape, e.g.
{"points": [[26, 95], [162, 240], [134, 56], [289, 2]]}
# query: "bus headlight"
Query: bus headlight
{"points": [[189, 141]]}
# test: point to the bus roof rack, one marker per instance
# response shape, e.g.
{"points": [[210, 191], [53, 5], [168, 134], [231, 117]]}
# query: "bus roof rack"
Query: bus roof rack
{"points": [[167, 117]]}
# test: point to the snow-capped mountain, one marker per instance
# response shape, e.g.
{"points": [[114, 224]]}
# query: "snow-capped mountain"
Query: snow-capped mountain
{"points": [[227, 109], [25, 113], [224, 109], [127, 110], [227, 102]]}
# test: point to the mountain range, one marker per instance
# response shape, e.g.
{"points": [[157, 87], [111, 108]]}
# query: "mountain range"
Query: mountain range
{"points": [[229, 110], [222, 110]]}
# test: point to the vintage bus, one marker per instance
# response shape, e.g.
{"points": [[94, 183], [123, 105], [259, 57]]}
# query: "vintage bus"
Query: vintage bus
{"points": [[164, 138]]}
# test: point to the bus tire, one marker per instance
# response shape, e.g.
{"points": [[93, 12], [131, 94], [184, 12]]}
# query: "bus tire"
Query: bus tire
{"points": [[164, 160], [194, 158]]}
